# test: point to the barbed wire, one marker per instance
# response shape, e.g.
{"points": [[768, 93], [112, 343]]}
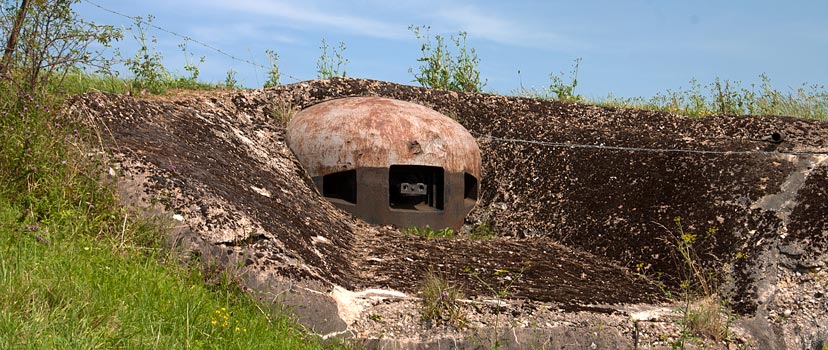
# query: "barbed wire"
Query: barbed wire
{"points": [[186, 38], [643, 149]]}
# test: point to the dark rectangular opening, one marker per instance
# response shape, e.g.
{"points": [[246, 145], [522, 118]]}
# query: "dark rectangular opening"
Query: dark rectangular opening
{"points": [[416, 187], [341, 185], [470, 187]]}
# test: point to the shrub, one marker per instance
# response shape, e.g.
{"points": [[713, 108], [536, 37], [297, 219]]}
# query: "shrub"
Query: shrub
{"points": [[147, 70], [48, 39], [439, 70]]}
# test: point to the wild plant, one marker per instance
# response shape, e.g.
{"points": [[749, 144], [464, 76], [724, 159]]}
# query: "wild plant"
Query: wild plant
{"points": [[564, 89], [147, 69], [703, 310], [440, 301], [230, 80], [500, 290], [428, 232], [439, 69], [282, 110], [45, 40], [561, 87], [190, 66], [273, 75], [482, 231], [724, 96], [333, 64]]}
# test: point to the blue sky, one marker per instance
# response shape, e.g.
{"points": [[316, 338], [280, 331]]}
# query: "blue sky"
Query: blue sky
{"points": [[628, 48]]}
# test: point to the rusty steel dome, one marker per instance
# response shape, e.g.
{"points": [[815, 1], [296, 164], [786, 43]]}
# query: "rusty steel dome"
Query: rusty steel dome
{"points": [[388, 161]]}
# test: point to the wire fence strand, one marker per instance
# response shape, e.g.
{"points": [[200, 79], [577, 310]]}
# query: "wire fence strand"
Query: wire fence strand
{"points": [[643, 149], [186, 38]]}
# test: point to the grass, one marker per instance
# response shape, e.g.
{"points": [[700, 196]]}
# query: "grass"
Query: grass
{"points": [[65, 289], [705, 317], [719, 97], [440, 303], [482, 231], [809, 101], [78, 82], [428, 232], [477, 232], [282, 110], [78, 272]]}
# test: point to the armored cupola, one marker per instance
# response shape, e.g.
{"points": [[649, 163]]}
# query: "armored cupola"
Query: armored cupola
{"points": [[388, 161]]}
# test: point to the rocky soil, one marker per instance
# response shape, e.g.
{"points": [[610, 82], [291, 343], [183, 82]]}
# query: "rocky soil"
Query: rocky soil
{"points": [[582, 199]]}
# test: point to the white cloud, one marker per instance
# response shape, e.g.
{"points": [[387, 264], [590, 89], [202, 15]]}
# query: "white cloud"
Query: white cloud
{"points": [[387, 20], [503, 31], [241, 30], [295, 14]]}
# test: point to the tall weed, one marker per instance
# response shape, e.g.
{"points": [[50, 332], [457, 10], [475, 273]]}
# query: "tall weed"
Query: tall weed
{"points": [[439, 69], [332, 64]]}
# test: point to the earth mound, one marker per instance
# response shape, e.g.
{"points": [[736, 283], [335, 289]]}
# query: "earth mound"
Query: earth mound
{"points": [[582, 200]]}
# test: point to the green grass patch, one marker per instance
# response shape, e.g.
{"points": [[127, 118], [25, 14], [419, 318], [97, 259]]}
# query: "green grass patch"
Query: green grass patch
{"points": [[77, 272], [482, 231], [64, 289], [78, 82], [476, 232], [428, 232]]}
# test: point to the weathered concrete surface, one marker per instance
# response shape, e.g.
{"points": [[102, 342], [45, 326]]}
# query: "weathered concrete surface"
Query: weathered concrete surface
{"points": [[358, 132], [596, 223], [370, 136]]}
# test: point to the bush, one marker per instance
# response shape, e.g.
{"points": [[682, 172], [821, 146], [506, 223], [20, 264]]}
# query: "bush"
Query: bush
{"points": [[439, 70], [147, 69], [50, 41]]}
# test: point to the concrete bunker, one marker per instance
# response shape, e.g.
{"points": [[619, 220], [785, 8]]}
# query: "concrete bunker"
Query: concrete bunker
{"points": [[388, 161]]}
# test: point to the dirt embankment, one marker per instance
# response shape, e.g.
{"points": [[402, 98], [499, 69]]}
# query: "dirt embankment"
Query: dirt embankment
{"points": [[586, 195]]}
